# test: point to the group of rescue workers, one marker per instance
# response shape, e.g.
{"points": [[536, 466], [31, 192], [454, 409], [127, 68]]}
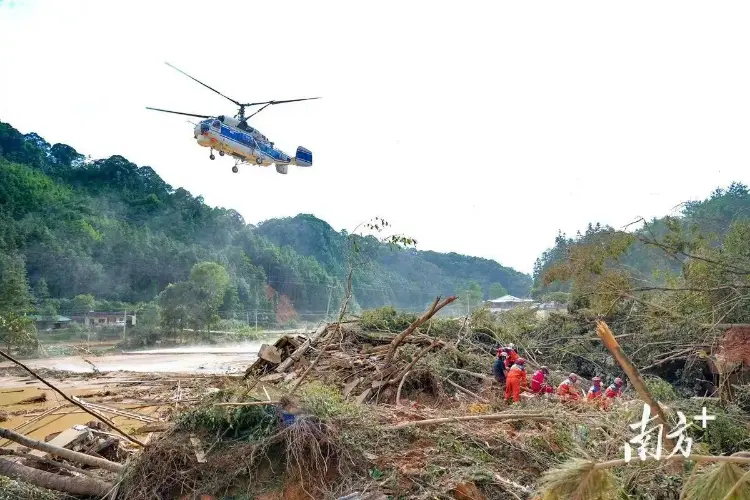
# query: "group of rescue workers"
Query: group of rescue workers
{"points": [[510, 369]]}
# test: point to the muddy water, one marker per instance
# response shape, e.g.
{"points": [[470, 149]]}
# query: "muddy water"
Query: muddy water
{"points": [[208, 359], [58, 420]]}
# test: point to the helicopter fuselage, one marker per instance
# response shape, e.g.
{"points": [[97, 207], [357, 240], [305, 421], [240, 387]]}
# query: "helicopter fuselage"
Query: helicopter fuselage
{"points": [[245, 144]]}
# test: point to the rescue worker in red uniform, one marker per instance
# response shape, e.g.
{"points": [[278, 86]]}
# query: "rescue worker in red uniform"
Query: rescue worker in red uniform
{"points": [[567, 389], [539, 383], [498, 368], [512, 356], [515, 381], [614, 390], [595, 392]]}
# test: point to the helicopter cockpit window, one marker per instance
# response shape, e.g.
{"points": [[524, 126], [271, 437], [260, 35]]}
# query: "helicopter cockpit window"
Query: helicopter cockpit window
{"points": [[216, 124]]}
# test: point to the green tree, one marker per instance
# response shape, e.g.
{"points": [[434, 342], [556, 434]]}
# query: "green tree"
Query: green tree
{"points": [[15, 295], [16, 330], [81, 304], [209, 282], [496, 290], [175, 303]]}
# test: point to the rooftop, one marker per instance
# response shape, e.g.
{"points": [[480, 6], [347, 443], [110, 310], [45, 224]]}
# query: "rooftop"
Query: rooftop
{"points": [[508, 299]]}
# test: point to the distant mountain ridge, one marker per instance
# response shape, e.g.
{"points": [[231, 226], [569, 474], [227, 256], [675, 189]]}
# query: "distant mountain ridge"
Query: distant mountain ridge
{"points": [[117, 231]]}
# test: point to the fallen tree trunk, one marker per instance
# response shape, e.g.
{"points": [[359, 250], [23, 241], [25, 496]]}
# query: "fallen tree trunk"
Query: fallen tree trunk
{"points": [[609, 341], [66, 484], [467, 391], [434, 308], [47, 461], [60, 452], [493, 416]]}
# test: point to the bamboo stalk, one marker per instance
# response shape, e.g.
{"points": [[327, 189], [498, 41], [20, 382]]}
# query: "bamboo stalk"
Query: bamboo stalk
{"points": [[494, 416], [609, 341]]}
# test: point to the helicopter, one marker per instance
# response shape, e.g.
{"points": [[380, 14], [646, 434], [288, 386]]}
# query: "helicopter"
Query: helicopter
{"points": [[234, 137]]}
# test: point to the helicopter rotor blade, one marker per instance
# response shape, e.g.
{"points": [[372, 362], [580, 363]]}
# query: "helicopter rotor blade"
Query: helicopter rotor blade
{"points": [[279, 102], [271, 103], [209, 88], [178, 112]]}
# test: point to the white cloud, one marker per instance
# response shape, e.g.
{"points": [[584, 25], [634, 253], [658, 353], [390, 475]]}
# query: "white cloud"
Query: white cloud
{"points": [[479, 127]]}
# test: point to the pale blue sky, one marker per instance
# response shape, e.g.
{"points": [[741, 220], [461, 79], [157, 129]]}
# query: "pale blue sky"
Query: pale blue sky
{"points": [[479, 127]]}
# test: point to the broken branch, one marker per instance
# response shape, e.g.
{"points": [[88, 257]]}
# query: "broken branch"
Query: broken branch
{"points": [[434, 308]]}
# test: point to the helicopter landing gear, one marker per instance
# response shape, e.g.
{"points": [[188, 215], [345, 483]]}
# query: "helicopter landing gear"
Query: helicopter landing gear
{"points": [[259, 161], [235, 169], [221, 153], [211, 156]]}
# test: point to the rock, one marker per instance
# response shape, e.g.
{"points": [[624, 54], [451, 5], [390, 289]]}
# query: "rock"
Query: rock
{"points": [[468, 491], [270, 354], [349, 387], [272, 377]]}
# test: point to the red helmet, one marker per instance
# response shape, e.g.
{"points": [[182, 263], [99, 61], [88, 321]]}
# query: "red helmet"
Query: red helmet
{"points": [[618, 381], [596, 380], [520, 361]]}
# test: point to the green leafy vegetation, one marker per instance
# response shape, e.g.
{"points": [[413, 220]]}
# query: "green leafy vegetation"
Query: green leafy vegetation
{"points": [[108, 235]]}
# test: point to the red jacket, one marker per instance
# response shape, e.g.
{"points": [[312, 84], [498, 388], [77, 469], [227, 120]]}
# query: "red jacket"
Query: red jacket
{"points": [[613, 391], [537, 380], [511, 359], [567, 390], [595, 392]]}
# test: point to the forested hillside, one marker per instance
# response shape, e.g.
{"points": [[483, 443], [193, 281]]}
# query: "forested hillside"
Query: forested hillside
{"points": [[661, 252], [109, 234]]}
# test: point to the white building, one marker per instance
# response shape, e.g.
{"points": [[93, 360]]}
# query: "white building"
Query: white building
{"points": [[507, 302]]}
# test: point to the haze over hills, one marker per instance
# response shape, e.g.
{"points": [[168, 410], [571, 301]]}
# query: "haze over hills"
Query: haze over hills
{"points": [[117, 231]]}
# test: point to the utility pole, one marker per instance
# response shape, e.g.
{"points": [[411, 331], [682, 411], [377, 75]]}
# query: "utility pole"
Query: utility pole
{"points": [[247, 318], [328, 307], [256, 319], [124, 322]]}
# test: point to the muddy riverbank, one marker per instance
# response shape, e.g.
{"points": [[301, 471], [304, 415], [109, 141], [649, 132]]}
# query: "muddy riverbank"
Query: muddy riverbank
{"points": [[204, 359]]}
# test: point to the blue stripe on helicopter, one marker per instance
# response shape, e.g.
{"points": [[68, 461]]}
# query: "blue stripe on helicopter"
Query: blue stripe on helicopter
{"points": [[245, 140]]}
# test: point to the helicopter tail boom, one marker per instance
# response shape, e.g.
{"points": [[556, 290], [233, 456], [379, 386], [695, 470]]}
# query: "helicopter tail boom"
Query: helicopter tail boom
{"points": [[303, 158]]}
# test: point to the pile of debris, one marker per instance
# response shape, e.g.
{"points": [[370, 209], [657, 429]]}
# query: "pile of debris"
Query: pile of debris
{"points": [[365, 365]]}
